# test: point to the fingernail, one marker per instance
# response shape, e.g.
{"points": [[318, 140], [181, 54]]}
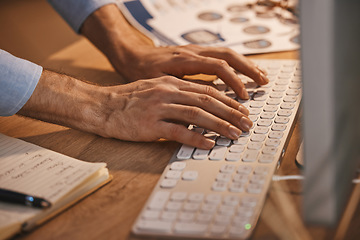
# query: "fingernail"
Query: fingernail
{"points": [[244, 94], [264, 78], [244, 110], [234, 132], [209, 143], [246, 123]]}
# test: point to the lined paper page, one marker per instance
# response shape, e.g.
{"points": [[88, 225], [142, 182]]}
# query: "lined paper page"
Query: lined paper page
{"points": [[34, 170]]}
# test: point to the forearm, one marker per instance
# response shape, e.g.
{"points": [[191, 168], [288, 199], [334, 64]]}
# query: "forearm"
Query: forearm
{"points": [[109, 31], [67, 101]]}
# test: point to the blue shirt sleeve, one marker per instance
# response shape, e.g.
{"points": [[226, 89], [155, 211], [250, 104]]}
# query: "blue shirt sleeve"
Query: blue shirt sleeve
{"points": [[75, 12], [18, 79]]}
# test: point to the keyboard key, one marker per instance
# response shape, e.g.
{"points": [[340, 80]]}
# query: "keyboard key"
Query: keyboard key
{"points": [[257, 138], [196, 197], [159, 200], [253, 118], [270, 108], [237, 187], [222, 141], [257, 104], [272, 142], [191, 207], [237, 148], [276, 135], [178, 196], [287, 105], [254, 145], [278, 127], [250, 156], [223, 177], [266, 158], [241, 178], [261, 170], [233, 156], [173, 174], [254, 188], [178, 166], [241, 141], [284, 113], [293, 92], [218, 153], [186, 216], [204, 218], [276, 95], [244, 169], [213, 198], [173, 206], [261, 130], [219, 186], [264, 122], [185, 152], [254, 111], [209, 208], [280, 88], [190, 175], [267, 115], [259, 179], [200, 154], [227, 168], [168, 183], [218, 229], [231, 200], [291, 99], [154, 226], [168, 215], [282, 120], [151, 214], [273, 101], [269, 150]]}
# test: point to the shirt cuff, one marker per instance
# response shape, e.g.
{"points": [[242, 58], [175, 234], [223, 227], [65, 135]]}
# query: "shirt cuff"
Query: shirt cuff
{"points": [[18, 79], [76, 12]]}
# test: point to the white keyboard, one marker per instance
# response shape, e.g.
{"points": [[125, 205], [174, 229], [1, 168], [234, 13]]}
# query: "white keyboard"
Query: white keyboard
{"points": [[219, 194]]}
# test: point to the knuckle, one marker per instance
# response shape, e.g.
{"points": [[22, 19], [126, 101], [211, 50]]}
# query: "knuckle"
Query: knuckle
{"points": [[222, 125], [174, 132], [209, 90], [222, 63], [192, 112], [205, 99]]}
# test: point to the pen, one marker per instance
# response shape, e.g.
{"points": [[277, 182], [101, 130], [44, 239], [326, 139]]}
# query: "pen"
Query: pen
{"points": [[24, 199]]}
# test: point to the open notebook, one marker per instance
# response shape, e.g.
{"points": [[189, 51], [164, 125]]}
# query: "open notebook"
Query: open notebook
{"points": [[33, 170]]}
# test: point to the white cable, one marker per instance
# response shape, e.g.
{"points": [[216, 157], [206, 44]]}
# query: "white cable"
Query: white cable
{"points": [[287, 177], [300, 177]]}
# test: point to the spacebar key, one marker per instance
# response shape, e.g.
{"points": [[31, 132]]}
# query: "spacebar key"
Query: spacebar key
{"points": [[154, 226], [190, 228]]}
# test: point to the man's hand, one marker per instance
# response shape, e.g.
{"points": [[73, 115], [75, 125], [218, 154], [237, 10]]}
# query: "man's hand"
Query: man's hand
{"points": [[145, 110], [134, 59]]}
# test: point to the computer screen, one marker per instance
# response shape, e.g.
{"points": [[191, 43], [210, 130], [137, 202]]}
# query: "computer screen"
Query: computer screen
{"points": [[330, 54]]}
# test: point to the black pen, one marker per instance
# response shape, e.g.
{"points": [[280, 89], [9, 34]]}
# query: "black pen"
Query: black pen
{"points": [[24, 199]]}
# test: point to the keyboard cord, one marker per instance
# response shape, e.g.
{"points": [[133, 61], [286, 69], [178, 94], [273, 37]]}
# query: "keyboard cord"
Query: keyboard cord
{"points": [[299, 177]]}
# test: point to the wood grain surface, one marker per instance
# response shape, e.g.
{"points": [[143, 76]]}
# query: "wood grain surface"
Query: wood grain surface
{"points": [[110, 212]]}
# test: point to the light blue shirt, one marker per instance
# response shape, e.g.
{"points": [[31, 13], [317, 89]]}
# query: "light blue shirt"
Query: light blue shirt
{"points": [[18, 77], [75, 12]]}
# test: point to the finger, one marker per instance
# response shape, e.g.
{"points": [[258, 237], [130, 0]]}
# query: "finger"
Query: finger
{"points": [[180, 133], [211, 91], [237, 61], [201, 118], [215, 107], [194, 64]]}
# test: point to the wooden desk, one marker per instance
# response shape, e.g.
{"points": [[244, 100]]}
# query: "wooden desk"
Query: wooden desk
{"points": [[110, 212]]}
